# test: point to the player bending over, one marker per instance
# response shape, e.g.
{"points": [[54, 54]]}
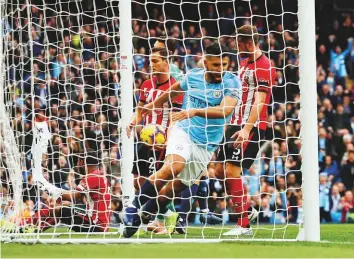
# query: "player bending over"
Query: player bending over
{"points": [[200, 187], [210, 99], [244, 136], [150, 159]]}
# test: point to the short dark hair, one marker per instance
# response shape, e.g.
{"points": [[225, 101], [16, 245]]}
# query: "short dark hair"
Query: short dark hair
{"points": [[216, 49], [246, 33], [162, 51], [92, 140], [170, 44], [91, 157]]}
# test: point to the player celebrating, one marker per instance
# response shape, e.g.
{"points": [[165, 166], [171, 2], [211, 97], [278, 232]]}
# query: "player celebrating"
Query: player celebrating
{"points": [[209, 101], [148, 160], [249, 124]]}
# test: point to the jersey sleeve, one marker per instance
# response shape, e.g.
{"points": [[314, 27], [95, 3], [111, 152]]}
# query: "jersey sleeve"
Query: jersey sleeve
{"points": [[233, 87], [176, 73], [184, 83], [143, 91], [88, 184], [263, 79], [177, 101]]}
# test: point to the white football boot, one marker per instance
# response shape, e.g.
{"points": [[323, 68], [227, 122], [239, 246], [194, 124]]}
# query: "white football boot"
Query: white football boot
{"points": [[239, 231]]}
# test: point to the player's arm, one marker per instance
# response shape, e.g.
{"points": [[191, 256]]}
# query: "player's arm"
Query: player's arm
{"points": [[259, 100], [169, 94], [137, 117], [84, 187], [71, 195], [223, 110]]}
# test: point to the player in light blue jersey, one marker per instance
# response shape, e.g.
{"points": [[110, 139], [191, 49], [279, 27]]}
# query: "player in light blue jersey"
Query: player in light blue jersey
{"points": [[210, 97]]}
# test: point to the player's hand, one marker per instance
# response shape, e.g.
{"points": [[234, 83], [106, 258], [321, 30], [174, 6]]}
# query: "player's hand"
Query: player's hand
{"points": [[130, 128], [159, 147], [240, 136], [182, 115], [147, 109]]}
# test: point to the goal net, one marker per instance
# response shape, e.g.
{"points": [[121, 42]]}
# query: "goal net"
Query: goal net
{"points": [[67, 97]]}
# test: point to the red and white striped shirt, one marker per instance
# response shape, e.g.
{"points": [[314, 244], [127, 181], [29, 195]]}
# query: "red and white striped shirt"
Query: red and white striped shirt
{"points": [[149, 91], [255, 76]]}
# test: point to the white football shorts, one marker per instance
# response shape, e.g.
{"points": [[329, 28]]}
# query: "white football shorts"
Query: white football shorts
{"points": [[197, 157]]}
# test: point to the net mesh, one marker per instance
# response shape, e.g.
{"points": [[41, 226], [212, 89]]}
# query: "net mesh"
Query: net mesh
{"points": [[62, 67]]}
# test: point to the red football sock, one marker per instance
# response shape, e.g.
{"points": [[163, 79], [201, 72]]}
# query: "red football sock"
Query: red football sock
{"points": [[238, 194]]}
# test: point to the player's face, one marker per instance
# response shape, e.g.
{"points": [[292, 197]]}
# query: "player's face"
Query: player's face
{"points": [[245, 49], [215, 67], [158, 64]]}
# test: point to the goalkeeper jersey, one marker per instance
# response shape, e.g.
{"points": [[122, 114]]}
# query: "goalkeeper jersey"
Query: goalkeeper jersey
{"points": [[96, 189], [176, 73]]}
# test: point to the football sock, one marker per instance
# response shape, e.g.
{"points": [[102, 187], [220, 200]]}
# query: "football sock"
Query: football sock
{"points": [[212, 201], [155, 205], [238, 194], [187, 200], [171, 207], [203, 195], [147, 192]]}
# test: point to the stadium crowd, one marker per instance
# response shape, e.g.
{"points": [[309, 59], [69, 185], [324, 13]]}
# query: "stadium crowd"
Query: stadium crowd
{"points": [[66, 66]]}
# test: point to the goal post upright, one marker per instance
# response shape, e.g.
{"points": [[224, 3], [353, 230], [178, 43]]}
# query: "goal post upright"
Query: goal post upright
{"points": [[126, 62], [308, 118]]}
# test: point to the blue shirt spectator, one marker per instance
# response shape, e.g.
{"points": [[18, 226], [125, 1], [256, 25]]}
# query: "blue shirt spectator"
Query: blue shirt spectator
{"points": [[331, 168], [338, 60]]}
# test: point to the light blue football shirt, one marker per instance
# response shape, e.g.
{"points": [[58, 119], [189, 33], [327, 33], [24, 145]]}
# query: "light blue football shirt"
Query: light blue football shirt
{"points": [[200, 94]]}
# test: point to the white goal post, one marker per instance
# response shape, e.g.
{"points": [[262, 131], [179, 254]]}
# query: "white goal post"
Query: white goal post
{"points": [[92, 46], [307, 47]]}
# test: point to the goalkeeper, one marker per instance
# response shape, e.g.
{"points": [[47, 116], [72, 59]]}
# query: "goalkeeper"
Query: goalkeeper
{"points": [[210, 98], [95, 216]]}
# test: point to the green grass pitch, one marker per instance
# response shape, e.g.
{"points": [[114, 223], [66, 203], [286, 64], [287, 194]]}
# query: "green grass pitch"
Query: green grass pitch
{"points": [[340, 244]]}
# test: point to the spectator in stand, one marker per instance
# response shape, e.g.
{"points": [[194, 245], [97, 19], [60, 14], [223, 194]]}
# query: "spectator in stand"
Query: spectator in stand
{"points": [[266, 210], [348, 208], [324, 144], [347, 172], [61, 173], [338, 62], [335, 204], [331, 168], [322, 57], [324, 198], [351, 62]]}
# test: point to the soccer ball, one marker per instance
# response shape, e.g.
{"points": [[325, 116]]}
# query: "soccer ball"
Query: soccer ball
{"points": [[153, 135]]}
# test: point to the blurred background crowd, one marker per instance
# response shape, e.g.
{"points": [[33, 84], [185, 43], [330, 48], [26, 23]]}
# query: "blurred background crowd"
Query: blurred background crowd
{"points": [[62, 61]]}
